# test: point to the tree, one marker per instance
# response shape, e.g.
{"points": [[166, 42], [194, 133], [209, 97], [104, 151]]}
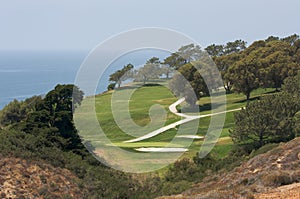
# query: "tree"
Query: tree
{"points": [[265, 121], [215, 50], [63, 98], [231, 47], [258, 65], [190, 52], [224, 56], [17, 111], [174, 61], [276, 62], [189, 81], [272, 38], [296, 54], [11, 113], [184, 55], [270, 119], [184, 84], [153, 60], [121, 75], [234, 47], [291, 86], [167, 71], [111, 86], [276, 67], [55, 113], [290, 39], [243, 75], [151, 70], [223, 63]]}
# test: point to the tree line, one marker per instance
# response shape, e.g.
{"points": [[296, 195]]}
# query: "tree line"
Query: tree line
{"points": [[263, 64], [153, 69]]}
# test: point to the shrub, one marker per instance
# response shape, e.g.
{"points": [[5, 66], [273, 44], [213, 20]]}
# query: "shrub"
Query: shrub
{"points": [[278, 178], [111, 86], [263, 149], [175, 187]]}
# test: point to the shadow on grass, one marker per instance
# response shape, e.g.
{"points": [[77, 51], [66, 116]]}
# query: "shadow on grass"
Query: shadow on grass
{"points": [[245, 100], [137, 86], [199, 108], [205, 107], [127, 87], [258, 97], [152, 84], [188, 109]]}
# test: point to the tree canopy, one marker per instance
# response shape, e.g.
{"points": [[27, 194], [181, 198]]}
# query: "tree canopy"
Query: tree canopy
{"points": [[151, 70], [121, 75], [17, 111], [52, 115], [184, 55], [231, 47], [270, 119]]}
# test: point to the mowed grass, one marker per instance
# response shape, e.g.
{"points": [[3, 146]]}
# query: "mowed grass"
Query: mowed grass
{"points": [[140, 103], [235, 100], [145, 97]]}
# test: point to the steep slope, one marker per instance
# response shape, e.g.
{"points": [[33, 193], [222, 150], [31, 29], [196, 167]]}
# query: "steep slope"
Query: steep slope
{"points": [[288, 191], [21, 178], [263, 176]]}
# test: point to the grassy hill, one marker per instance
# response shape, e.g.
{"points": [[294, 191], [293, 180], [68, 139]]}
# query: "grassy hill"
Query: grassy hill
{"points": [[140, 103]]}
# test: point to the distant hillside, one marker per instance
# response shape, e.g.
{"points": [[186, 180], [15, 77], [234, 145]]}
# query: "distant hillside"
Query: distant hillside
{"points": [[275, 174], [21, 178]]}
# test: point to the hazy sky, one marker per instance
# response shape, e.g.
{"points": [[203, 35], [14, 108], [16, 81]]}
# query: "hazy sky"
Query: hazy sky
{"points": [[82, 24]]}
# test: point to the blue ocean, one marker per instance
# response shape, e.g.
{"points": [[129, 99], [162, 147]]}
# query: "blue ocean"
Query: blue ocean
{"points": [[27, 73]]}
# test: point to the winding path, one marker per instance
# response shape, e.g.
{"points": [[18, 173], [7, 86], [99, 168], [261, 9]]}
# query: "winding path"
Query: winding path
{"points": [[187, 118]]}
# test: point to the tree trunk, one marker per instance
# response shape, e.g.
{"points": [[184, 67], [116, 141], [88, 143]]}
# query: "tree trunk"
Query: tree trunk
{"points": [[228, 87], [261, 139], [248, 96]]}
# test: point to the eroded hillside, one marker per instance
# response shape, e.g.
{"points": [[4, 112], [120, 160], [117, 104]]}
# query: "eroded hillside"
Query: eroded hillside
{"points": [[275, 174], [21, 178]]}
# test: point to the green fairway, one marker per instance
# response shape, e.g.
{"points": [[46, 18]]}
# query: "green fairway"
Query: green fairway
{"points": [[234, 100], [144, 144], [140, 103]]}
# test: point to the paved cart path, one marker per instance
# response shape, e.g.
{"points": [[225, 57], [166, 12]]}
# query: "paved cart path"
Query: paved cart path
{"points": [[187, 118]]}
